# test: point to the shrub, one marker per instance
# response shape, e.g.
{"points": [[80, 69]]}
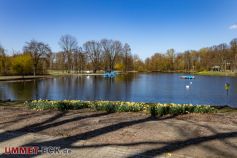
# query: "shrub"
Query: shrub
{"points": [[157, 109], [153, 110], [110, 108], [63, 106]]}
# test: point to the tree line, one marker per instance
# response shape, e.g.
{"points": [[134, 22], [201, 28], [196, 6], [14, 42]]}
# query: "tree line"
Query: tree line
{"points": [[220, 57], [108, 55], [37, 57]]}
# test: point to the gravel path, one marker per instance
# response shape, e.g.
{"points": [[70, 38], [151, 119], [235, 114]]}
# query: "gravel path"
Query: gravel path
{"points": [[97, 134]]}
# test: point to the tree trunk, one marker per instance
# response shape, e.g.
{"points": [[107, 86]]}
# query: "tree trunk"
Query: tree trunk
{"points": [[34, 70]]}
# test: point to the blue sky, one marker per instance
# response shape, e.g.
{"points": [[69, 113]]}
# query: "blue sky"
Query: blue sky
{"points": [[149, 26]]}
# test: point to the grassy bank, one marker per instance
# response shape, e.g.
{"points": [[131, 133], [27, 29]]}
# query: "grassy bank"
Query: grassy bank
{"points": [[155, 109], [216, 73]]}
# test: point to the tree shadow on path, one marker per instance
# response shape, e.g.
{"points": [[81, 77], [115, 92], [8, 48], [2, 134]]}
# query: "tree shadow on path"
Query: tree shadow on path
{"points": [[177, 145], [68, 141]]}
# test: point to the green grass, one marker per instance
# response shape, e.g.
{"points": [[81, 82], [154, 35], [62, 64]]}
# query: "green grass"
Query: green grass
{"points": [[226, 109], [216, 73], [155, 109]]}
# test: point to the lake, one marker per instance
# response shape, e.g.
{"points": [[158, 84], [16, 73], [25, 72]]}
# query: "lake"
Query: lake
{"points": [[138, 87]]}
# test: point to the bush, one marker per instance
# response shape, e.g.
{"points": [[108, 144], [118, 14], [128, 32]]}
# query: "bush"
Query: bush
{"points": [[104, 106], [110, 108], [177, 109], [153, 111], [63, 106], [157, 109]]}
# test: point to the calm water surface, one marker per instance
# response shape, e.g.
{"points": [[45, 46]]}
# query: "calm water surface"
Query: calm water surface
{"points": [[156, 87]]}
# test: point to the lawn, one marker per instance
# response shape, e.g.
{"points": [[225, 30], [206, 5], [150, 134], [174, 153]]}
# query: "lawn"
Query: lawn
{"points": [[216, 73]]}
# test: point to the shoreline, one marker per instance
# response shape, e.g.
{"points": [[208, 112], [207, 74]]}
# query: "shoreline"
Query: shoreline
{"points": [[50, 75], [201, 73], [27, 77], [15, 78], [214, 73]]}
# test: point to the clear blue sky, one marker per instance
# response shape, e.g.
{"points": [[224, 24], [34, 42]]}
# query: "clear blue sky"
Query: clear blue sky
{"points": [[149, 26]]}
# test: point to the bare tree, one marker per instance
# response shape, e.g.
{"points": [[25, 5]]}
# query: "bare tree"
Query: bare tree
{"points": [[79, 60], [127, 54], [221, 50], [93, 50], [60, 61], [171, 56], [52, 60], [38, 51], [233, 45], [187, 61], [69, 45], [1, 50], [111, 50], [3, 61], [106, 48]]}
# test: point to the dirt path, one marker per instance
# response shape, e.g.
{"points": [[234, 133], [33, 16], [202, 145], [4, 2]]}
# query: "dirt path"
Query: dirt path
{"points": [[98, 134]]}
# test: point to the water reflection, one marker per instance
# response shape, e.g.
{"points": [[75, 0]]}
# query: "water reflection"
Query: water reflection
{"points": [[157, 87]]}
